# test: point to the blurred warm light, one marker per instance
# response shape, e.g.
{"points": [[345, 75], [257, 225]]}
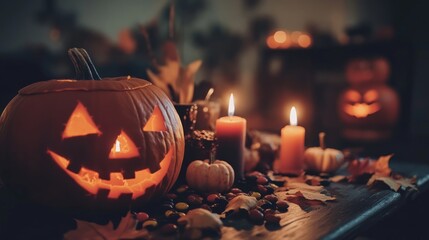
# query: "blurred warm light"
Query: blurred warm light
{"points": [[353, 96], [271, 43], [280, 36], [371, 96], [282, 39], [295, 35], [304, 40]]}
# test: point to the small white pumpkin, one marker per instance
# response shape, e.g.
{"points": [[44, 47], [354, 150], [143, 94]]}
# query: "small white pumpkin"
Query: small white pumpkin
{"points": [[321, 159], [210, 175]]}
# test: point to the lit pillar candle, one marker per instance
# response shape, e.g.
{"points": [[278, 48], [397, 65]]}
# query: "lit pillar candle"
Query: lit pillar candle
{"points": [[230, 134], [292, 146]]}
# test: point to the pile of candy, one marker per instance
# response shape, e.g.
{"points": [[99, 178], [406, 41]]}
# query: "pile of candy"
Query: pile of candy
{"points": [[176, 204]]}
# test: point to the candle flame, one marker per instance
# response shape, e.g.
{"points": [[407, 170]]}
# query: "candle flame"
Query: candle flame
{"points": [[231, 107], [117, 146], [293, 117]]}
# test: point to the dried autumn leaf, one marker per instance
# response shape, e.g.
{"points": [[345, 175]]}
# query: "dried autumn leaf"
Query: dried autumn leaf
{"points": [[395, 183], [125, 230], [360, 166], [380, 166], [338, 178], [390, 182], [303, 203], [176, 81], [240, 202], [407, 182], [202, 219], [309, 194], [304, 195]]}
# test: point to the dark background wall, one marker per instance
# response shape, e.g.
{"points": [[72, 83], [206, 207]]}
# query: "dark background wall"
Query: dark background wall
{"points": [[30, 49]]}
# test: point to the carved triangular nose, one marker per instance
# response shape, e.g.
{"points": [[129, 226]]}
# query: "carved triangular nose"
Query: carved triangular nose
{"points": [[123, 147]]}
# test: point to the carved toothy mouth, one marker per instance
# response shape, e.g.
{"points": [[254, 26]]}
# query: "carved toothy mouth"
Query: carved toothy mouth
{"points": [[361, 110], [117, 185]]}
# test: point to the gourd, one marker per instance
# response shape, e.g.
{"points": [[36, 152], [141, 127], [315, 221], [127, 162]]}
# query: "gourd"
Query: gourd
{"points": [[210, 175], [321, 159]]}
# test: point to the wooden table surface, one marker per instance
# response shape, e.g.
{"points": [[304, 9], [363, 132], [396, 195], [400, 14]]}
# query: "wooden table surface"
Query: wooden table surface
{"points": [[356, 209]]}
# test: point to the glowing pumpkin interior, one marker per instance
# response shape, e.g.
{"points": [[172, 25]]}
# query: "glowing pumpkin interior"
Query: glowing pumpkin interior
{"points": [[361, 106], [81, 123]]}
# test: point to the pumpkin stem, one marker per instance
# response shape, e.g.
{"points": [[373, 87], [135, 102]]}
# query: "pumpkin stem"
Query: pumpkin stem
{"points": [[209, 94], [212, 156], [84, 68], [213, 153], [322, 140]]}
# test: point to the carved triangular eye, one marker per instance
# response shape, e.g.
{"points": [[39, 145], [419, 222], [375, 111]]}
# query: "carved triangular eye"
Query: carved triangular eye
{"points": [[123, 147], [371, 96], [353, 96], [156, 122], [80, 123]]}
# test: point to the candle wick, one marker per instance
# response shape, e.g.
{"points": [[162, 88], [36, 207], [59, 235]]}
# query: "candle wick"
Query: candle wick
{"points": [[322, 140], [209, 94]]}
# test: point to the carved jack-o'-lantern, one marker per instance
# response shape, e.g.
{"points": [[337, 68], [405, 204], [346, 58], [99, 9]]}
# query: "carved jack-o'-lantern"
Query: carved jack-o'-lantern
{"points": [[369, 108], [90, 143], [361, 105]]}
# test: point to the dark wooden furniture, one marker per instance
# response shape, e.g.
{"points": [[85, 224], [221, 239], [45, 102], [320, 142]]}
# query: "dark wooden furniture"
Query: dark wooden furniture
{"points": [[356, 210]]}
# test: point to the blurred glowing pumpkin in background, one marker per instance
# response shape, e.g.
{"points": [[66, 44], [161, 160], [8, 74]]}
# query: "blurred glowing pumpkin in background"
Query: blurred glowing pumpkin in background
{"points": [[369, 108]]}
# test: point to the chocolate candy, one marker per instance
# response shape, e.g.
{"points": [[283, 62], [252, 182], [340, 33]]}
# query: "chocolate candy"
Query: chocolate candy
{"points": [[166, 206], [194, 200], [142, 216], [272, 219], [150, 224], [265, 204], [230, 195], [282, 206], [212, 197], [236, 190], [256, 216], [169, 229], [182, 189], [271, 198], [170, 196], [172, 218], [207, 207], [261, 180], [261, 189], [169, 212], [181, 206]]}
